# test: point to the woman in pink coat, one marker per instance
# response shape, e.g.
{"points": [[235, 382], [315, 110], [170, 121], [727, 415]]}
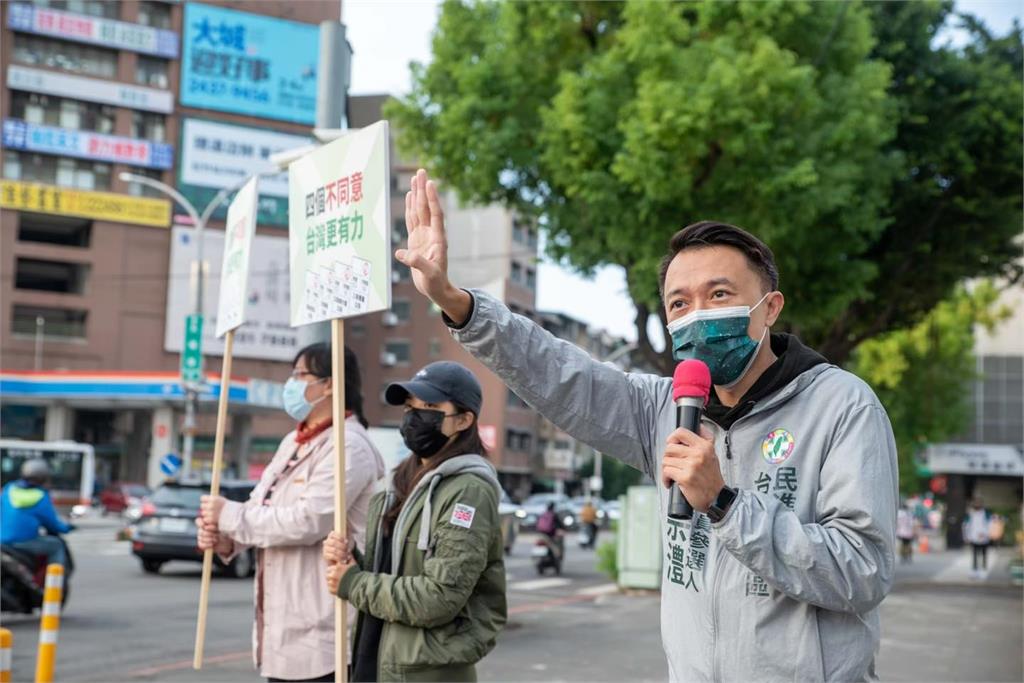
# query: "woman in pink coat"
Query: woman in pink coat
{"points": [[289, 514]]}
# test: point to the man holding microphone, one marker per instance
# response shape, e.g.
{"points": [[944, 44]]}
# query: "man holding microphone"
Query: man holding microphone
{"points": [[779, 574]]}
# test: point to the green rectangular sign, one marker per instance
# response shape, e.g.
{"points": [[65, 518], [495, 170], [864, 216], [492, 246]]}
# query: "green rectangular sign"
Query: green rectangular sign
{"points": [[192, 351]]}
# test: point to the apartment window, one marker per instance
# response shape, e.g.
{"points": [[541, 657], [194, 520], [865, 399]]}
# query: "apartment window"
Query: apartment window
{"points": [[434, 348], [401, 351], [520, 233], [402, 309], [58, 54], [46, 110], [533, 238], [50, 276], [517, 273], [104, 9], [56, 322], [146, 126], [531, 278], [356, 328], [67, 232], [151, 71], [84, 175], [140, 190], [155, 14], [398, 231], [518, 440]]}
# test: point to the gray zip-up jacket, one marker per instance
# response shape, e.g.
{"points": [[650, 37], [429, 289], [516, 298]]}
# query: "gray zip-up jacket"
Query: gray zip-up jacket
{"points": [[787, 585]]}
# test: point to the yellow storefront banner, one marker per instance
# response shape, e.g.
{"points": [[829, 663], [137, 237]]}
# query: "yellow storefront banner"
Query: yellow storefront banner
{"points": [[101, 206]]}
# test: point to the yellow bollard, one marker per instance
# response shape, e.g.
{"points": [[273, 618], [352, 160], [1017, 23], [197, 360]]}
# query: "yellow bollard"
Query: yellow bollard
{"points": [[50, 623], [6, 642]]}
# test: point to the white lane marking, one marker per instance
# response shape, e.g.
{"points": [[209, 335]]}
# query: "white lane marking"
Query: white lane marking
{"points": [[539, 584], [602, 589]]}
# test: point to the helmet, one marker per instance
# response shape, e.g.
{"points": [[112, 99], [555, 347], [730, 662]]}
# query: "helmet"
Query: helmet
{"points": [[35, 469]]}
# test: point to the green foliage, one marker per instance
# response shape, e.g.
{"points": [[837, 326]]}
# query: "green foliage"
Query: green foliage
{"points": [[608, 560], [840, 133], [922, 374]]}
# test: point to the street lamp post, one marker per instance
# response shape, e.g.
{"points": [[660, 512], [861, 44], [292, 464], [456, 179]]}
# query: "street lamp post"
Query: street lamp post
{"points": [[199, 220]]}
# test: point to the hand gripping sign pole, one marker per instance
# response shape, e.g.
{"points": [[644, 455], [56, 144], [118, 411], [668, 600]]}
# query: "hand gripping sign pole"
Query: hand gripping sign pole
{"points": [[339, 244], [234, 286]]}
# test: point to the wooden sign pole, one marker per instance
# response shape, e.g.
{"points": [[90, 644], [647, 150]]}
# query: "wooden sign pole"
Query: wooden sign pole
{"points": [[218, 461], [340, 511]]}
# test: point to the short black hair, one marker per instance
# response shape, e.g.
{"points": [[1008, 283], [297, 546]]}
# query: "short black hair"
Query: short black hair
{"points": [[713, 234], [320, 365]]}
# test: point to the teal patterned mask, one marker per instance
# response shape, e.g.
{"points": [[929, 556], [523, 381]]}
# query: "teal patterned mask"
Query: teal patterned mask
{"points": [[718, 337]]}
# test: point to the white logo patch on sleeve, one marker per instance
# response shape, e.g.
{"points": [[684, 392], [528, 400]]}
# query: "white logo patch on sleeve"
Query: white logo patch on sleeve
{"points": [[463, 515]]}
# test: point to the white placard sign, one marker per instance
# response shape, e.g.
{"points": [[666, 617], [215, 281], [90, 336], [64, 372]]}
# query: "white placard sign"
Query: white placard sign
{"points": [[266, 334], [234, 271], [220, 155], [340, 228]]}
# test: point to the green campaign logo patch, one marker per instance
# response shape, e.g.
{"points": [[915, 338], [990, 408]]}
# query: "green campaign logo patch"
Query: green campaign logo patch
{"points": [[777, 446]]}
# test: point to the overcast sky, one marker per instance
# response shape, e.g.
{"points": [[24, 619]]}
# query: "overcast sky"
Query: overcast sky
{"points": [[387, 35]]}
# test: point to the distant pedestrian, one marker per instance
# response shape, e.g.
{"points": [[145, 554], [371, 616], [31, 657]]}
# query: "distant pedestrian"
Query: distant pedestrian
{"points": [[976, 531], [588, 518], [906, 532]]}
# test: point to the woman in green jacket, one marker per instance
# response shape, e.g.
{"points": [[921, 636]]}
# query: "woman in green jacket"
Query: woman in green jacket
{"points": [[430, 584]]}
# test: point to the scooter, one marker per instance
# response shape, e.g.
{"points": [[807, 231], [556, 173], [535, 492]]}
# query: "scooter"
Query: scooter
{"points": [[547, 552], [23, 579]]}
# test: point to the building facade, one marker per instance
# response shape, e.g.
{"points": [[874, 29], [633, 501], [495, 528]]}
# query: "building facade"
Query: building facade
{"points": [[96, 270], [987, 461]]}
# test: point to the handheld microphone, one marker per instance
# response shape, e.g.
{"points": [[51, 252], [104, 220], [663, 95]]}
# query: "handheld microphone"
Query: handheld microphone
{"points": [[691, 386]]}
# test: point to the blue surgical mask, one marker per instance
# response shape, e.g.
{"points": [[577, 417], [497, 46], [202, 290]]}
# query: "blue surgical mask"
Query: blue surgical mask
{"points": [[295, 403], [718, 337]]}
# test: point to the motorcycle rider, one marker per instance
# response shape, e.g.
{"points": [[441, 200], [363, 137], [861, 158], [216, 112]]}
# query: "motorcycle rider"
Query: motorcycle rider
{"points": [[25, 506], [550, 526]]}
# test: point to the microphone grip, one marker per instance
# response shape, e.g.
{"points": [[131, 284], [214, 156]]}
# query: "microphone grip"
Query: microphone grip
{"points": [[688, 417]]}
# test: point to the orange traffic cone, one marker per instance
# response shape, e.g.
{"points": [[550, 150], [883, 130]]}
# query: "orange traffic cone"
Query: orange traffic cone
{"points": [[922, 547]]}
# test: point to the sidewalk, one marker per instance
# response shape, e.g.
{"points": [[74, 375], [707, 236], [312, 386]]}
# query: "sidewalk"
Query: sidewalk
{"points": [[954, 567]]}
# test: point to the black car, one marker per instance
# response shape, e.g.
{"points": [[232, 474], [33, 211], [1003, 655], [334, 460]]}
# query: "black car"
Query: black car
{"points": [[167, 529]]}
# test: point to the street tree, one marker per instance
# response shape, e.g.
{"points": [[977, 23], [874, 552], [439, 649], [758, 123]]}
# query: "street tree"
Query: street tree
{"points": [[882, 166]]}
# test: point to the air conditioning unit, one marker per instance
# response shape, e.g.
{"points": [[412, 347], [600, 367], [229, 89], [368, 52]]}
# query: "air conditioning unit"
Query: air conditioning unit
{"points": [[388, 359], [390, 319]]}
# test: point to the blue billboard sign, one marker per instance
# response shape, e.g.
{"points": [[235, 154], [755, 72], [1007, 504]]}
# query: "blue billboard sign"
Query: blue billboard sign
{"points": [[249, 64], [83, 144]]}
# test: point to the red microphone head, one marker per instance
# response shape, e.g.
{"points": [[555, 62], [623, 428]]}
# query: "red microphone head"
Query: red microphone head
{"points": [[692, 379]]}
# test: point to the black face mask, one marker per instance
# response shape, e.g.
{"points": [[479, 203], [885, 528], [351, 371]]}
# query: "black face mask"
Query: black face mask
{"points": [[421, 431]]}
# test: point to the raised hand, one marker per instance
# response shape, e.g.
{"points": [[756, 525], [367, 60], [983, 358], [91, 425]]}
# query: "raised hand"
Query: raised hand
{"points": [[427, 253]]}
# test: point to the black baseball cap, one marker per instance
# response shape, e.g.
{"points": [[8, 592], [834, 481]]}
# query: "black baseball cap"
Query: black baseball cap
{"points": [[441, 381]]}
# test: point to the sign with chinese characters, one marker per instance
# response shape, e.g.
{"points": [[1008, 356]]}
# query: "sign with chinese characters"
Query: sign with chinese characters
{"points": [[89, 89], [340, 228], [85, 145], [1000, 460], [93, 30], [234, 271], [249, 64], [101, 206], [220, 155], [266, 334]]}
